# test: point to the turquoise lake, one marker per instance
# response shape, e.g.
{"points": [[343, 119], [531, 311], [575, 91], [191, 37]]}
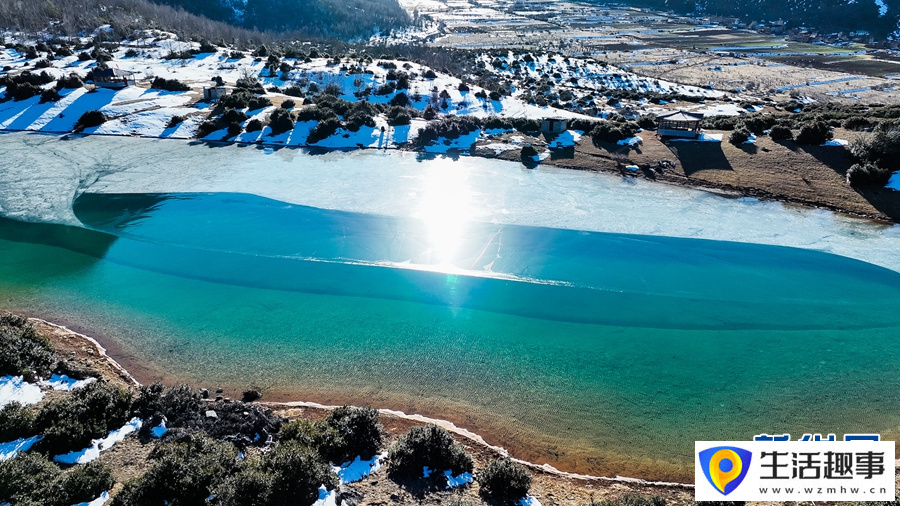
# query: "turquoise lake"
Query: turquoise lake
{"points": [[600, 352]]}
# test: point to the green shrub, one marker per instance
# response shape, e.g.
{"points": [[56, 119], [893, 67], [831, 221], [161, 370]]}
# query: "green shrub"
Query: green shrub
{"points": [[254, 125], [528, 153], [80, 485], [206, 128], [317, 435], [169, 85], [288, 104], [814, 133], [398, 116], [16, 421], [22, 350], [324, 129], [131, 53], [780, 133], [739, 136], [256, 102], [612, 131], [504, 481], [400, 99], [186, 471], [71, 82], [175, 121], [233, 116], [430, 446], [863, 174], [359, 430], [234, 129], [90, 119], [758, 123], [50, 95], [294, 91], [646, 121], [69, 423], [84, 56], [250, 487], [25, 478], [281, 121]]}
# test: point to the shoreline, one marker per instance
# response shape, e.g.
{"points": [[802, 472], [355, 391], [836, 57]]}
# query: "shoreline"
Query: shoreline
{"points": [[723, 190], [471, 437]]}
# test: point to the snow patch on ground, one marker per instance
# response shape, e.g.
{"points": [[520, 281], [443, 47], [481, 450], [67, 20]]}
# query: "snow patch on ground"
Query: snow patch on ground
{"points": [[326, 498], [12, 448], [836, 142], [16, 389], [631, 141], [702, 138], [566, 139], [529, 500], [894, 183], [100, 501], [458, 481], [98, 445], [358, 469], [160, 430], [64, 383]]}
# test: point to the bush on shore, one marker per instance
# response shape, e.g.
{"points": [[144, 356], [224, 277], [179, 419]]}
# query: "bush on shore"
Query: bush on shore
{"points": [[90, 119], [70, 423], [185, 471], [428, 446], [16, 421], [31, 479], [504, 481], [288, 474], [24, 352]]}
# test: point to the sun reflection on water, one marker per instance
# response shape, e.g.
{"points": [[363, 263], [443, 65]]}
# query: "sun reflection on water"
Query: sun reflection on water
{"points": [[445, 209]]}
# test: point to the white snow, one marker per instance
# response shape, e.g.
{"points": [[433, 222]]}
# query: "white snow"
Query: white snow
{"points": [[704, 137], [894, 183], [882, 8], [631, 141], [358, 469], [458, 481], [529, 500], [160, 430], [326, 497], [100, 501], [836, 142], [16, 389], [426, 472], [632, 168], [64, 383], [12, 448], [98, 445], [566, 139]]}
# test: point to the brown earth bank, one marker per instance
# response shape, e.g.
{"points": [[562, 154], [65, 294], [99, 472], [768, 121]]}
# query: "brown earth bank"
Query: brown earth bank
{"points": [[129, 458], [808, 176]]}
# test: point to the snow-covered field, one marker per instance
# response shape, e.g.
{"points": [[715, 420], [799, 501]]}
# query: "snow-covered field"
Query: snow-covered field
{"points": [[141, 111]]}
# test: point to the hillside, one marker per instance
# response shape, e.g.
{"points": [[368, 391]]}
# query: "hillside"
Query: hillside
{"points": [[236, 21], [880, 17], [320, 18]]}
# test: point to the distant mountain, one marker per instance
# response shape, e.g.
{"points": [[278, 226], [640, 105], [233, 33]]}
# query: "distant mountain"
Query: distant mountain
{"points": [[322, 18], [880, 17]]}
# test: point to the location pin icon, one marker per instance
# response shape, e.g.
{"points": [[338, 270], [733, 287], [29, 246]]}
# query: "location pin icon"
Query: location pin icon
{"points": [[724, 466]]}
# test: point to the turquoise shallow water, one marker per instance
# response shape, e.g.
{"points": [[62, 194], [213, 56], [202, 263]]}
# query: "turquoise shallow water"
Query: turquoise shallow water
{"points": [[599, 353]]}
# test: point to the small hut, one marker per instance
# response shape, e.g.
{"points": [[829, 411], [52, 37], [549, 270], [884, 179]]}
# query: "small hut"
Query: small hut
{"points": [[212, 93], [679, 124], [554, 126], [112, 78]]}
